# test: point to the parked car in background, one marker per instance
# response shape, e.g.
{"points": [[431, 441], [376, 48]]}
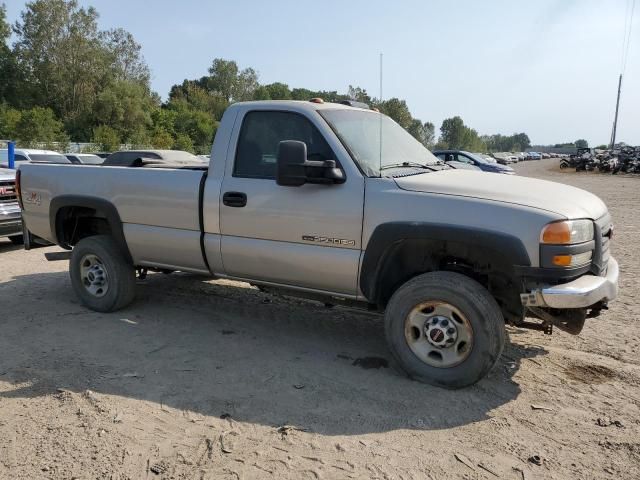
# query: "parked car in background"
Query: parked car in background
{"points": [[23, 155], [10, 218], [460, 156], [84, 158], [486, 156], [534, 156], [138, 158], [462, 165], [502, 158]]}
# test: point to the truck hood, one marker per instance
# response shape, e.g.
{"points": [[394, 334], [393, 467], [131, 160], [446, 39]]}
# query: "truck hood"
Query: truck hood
{"points": [[558, 198]]}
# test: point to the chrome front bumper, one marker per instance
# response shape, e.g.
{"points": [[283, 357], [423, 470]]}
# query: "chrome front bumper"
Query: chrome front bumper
{"points": [[580, 293], [10, 219]]}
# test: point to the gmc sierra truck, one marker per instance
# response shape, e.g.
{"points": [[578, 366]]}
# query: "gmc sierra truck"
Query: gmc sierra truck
{"points": [[338, 203]]}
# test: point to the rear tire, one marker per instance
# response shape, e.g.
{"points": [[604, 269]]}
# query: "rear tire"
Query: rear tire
{"points": [[468, 345], [101, 277]]}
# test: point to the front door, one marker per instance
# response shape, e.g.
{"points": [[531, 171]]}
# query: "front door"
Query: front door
{"points": [[307, 236]]}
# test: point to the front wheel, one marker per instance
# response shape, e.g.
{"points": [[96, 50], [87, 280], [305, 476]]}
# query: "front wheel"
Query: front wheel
{"points": [[101, 276], [444, 329]]}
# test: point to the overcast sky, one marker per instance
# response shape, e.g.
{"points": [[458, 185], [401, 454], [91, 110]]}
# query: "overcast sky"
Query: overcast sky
{"points": [[546, 67]]}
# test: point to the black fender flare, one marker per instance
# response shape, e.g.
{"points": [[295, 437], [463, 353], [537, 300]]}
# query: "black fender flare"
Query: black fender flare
{"points": [[388, 236], [103, 207]]}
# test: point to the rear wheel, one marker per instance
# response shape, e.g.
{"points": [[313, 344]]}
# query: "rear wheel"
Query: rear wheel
{"points": [[444, 329], [101, 277]]}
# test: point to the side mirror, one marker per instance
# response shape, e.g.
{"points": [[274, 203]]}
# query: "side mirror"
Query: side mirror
{"points": [[294, 170]]}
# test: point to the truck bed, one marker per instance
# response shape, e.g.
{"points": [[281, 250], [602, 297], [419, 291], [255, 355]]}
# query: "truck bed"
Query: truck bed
{"points": [[162, 203]]}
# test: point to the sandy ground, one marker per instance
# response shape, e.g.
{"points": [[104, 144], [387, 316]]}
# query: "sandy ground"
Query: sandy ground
{"points": [[212, 380]]}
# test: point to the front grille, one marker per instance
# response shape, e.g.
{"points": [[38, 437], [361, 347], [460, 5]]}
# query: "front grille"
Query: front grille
{"points": [[8, 191], [603, 232]]}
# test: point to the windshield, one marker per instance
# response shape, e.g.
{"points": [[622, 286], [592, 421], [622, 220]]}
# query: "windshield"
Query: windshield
{"points": [[360, 132], [48, 158], [478, 158], [90, 159]]}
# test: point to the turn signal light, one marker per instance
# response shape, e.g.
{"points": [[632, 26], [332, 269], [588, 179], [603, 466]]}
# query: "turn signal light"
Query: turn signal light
{"points": [[557, 233], [576, 260], [562, 260]]}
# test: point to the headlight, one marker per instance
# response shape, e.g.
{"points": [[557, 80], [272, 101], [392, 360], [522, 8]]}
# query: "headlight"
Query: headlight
{"points": [[567, 232]]}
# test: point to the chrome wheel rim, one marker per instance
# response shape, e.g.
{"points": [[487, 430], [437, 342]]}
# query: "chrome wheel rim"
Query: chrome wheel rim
{"points": [[93, 275], [438, 334]]}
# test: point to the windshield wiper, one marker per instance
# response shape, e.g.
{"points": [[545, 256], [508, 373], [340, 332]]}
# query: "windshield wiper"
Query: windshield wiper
{"points": [[407, 164]]}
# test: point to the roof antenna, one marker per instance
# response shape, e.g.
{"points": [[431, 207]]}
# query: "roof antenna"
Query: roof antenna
{"points": [[380, 133]]}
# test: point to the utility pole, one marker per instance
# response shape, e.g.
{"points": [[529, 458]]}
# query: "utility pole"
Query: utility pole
{"points": [[615, 120]]}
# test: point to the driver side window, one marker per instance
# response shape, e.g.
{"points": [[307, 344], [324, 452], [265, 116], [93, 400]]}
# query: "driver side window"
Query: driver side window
{"points": [[260, 135]]}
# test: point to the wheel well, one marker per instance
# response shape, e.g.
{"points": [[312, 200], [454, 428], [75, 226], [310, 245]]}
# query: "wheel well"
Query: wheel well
{"points": [[409, 258], [75, 223]]}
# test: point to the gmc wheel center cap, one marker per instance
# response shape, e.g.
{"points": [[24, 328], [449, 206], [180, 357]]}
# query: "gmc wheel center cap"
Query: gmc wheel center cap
{"points": [[440, 331]]}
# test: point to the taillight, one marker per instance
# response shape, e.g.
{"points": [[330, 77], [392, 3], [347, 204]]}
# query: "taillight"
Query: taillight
{"points": [[18, 189]]}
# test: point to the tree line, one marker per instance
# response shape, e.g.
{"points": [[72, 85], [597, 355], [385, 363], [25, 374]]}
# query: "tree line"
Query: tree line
{"points": [[63, 79]]}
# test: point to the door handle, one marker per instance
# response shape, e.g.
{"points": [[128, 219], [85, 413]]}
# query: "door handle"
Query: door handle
{"points": [[234, 199]]}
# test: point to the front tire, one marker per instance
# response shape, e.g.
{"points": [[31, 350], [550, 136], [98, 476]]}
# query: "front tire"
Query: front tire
{"points": [[101, 277], [444, 329]]}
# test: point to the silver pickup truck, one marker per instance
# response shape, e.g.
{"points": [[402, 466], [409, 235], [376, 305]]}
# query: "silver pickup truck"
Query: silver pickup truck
{"points": [[341, 204]]}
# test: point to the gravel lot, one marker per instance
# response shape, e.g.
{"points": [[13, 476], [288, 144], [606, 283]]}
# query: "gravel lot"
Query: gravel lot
{"points": [[214, 380]]}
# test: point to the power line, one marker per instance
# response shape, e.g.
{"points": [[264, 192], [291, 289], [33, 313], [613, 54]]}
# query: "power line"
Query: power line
{"points": [[626, 44]]}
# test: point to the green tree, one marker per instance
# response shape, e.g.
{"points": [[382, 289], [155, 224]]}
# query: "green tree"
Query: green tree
{"points": [[278, 91], [456, 135], [183, 142], [125, 106], [67, 61], [423, 132], [197, 97], [198, 125], [162, 139], [358, 94], [39, 125], [398, 110], [9, 72], [9, 118], [230, 82], [581, 143], [125, 55], [106, 138], [452, 132], [261, 93]]}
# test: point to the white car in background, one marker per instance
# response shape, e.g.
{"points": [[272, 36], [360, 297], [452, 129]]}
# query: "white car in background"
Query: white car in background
{"points": [[32, 155]]}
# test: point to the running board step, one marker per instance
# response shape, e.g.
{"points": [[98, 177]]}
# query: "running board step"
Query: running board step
{"points": [[55, 256]]}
